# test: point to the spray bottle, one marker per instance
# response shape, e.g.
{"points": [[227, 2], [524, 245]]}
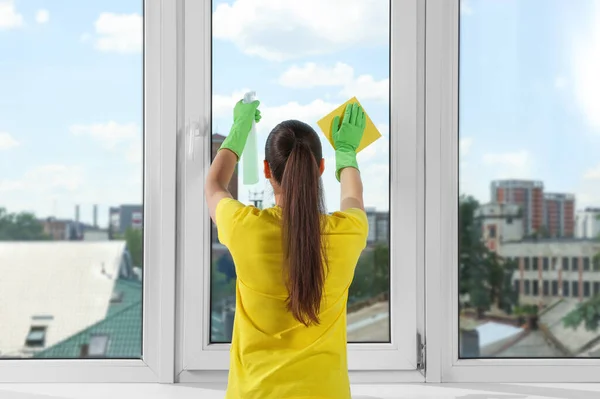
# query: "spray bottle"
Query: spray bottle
{"points": [[250, 156]]}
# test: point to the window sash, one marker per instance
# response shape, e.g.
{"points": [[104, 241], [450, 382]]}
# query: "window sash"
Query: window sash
{"points": [[441, 226], [406, 189], [158, 329]]}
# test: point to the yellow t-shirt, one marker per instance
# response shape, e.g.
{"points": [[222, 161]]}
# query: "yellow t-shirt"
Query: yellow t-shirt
{"points": [[272, 354]]}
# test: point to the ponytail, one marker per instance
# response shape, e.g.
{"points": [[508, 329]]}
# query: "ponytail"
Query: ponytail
{"points": [[302, 213]]}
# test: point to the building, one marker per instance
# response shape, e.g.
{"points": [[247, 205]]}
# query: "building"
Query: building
{"points": [[554, 268], [217, 140], [588, 223], [62, 229], [559, 214], [54, 289], [124, 217], [379, 231], [528, 195], [118, 335], [499, 222]]}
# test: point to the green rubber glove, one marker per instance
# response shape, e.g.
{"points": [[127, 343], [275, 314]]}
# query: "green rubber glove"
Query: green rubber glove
{"points": [[243, 116], [347, 137]]}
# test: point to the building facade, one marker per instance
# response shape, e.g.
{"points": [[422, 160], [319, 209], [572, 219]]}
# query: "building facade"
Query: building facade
{"points": [[528, 195], [559, 214], [588, 223]]}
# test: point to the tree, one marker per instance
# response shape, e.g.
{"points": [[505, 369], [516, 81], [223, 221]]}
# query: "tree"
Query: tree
{"points": [[372, 275], [484, 277], [23, 226], [135, 245]]}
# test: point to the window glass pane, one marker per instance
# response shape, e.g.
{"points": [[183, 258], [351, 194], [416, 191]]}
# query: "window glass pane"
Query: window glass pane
{"points": [[303, 66], [529, 98], [71, 199]]}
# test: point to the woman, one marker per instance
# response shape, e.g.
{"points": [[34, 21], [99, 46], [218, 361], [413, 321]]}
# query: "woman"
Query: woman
{"points": [[294, 263]]}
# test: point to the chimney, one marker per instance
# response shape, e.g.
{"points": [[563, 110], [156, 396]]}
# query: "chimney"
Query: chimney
{"points": [[95, 216], [77, 213]]}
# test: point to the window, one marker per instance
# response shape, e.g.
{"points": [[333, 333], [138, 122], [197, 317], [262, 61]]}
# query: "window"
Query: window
{"points": [[79, 148], [596, 288], [508, 67], [527, 287], [322, 85], [74, 168], [535, 263], [492, 231], [98, 345], [565, 292], [36, 337], [546, 263], [527, 267], [574, 264], [535, 284], [586, 263], [305, 82], [575, 289], [554, 288], [546, 290], [586, 289]]}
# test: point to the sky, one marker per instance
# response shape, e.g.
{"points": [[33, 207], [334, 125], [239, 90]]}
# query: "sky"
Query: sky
{"points": [[530, 95], [71, 92]]}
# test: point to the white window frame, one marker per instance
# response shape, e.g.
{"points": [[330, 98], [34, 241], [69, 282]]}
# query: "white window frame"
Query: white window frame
{"points": [[157, 360], [443, 363], [199, 361]]}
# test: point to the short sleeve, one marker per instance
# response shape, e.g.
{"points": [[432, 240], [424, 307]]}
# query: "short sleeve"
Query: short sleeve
{"points": [[228, 214], [352, 221]]}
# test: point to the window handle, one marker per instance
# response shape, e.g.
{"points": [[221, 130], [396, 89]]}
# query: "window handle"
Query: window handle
{"points": [[193, 132]]}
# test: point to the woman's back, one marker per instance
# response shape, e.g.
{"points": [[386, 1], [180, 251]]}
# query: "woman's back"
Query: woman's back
{"points": [[273, 355]]}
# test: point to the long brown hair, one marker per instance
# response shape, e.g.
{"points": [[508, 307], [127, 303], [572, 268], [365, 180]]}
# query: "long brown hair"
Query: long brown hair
{"points": [[293, 152]]}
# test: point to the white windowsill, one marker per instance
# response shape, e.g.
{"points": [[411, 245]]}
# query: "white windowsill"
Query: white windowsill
{"points": [[366, 391]]}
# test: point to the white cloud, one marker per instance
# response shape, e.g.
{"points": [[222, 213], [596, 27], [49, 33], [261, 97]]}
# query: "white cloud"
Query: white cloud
{"points": [[560, 82], [7, 141], [465, 8], [222, 105], [9, 17], [120, 33], [47, 178], [311, 75], [510, 164], [278, 30], [593, 173], [109, 134], [464, 145], [42, 16], [586, 64]]}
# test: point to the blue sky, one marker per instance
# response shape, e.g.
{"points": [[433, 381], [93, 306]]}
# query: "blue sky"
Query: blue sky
{"points": [[529, 102], [71, 97]]}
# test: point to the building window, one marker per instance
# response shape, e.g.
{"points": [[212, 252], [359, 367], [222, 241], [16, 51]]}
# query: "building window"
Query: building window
{"points": [[492, 231], [554, 288], [98, 345], [36, 337], [596, 287], [586, 288], [575, 289], [535, 263], [527, 287], [574, 263], [565, 292], [517, 286], [526, 263], [586, 263], [565, 263], [553, 262], [546, 289], [535, 290], [546, 263]]}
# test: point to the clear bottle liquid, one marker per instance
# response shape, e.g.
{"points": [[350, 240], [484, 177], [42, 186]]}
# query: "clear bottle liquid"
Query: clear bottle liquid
{"points": [[250, 155]]}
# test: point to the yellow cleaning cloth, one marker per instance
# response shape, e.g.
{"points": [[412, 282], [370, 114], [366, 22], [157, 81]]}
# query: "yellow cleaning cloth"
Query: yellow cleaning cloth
{"points": [[371, 133]]}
